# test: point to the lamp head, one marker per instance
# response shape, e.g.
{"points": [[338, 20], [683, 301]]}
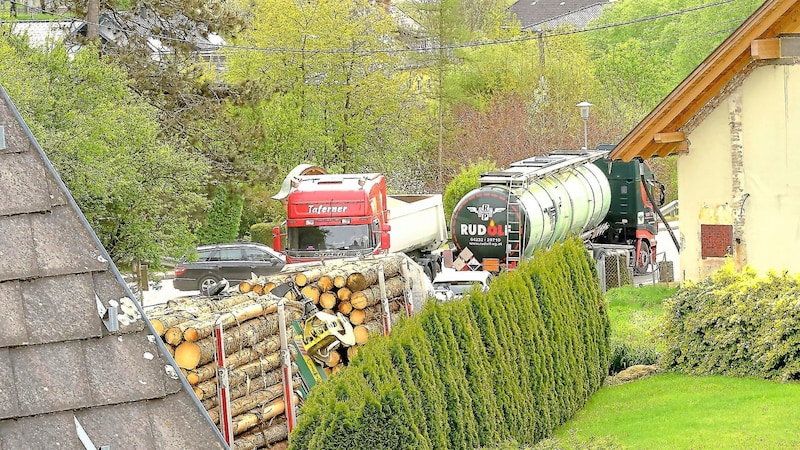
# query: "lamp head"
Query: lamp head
{"points": [[584, 107]]}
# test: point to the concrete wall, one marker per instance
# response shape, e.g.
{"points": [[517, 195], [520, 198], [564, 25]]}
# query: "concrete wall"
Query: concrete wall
{"points": [[741, 171]]}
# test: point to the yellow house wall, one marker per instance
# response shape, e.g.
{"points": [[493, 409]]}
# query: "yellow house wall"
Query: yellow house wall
{"points": [[704, 187], [767, 222]]}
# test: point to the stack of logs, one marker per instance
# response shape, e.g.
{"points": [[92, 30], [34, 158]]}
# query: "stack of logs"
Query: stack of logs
{"points": [[252, 342]]}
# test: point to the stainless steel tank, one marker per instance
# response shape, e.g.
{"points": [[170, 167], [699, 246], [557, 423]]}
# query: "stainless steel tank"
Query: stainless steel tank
{"points": [[547, 209]]}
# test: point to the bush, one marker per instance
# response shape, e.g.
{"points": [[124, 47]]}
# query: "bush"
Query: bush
{"points": [[262, 232], [508, 365], [463, 183], [736, 324]]}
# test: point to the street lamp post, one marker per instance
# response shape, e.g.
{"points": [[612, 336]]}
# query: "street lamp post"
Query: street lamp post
{"points": [[584, 107]]}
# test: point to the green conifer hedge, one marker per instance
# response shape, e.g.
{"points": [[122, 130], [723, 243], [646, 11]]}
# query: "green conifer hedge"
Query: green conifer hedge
{"points": [[509, 364]]}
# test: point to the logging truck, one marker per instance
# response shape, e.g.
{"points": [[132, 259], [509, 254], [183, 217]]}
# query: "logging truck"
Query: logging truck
{"points": [[331, 216]]}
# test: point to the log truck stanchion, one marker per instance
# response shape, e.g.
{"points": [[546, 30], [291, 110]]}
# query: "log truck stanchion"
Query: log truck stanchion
{"points": [[223, 385], [286, 367], [387, 315]]}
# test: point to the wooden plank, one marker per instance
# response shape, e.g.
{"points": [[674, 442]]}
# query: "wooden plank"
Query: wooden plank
{"points": [[669, 137], [765, 48]]}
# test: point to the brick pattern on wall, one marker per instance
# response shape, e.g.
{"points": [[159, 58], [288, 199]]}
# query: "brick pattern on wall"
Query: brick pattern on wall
{"points": [[716, 241]]}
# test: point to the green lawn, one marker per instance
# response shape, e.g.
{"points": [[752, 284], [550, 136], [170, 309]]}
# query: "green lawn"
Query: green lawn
{"points": [[674, 411], [671, 411]]}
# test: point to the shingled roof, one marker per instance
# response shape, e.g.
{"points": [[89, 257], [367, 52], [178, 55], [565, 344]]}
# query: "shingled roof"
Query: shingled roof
{"points": [[60, 364], [535, 15]]}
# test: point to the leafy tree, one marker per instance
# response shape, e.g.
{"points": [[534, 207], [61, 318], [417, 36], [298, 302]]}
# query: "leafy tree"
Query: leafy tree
{"points": [[631, 60], [222, 222], [330, 93], [136, 192]]}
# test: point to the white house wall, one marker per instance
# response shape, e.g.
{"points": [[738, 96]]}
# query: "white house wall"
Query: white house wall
{"points": [[742, 170]]}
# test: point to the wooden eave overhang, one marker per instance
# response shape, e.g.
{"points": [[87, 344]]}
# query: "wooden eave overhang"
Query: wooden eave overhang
{"points": [[661, 132]]}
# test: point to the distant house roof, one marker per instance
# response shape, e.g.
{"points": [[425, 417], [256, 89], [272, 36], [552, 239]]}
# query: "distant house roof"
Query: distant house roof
{"points": [[42, 32], [206, 45], [663, 131], [535, 15], [63, 367]]}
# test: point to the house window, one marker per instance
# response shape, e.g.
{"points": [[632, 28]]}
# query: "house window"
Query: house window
{"points": [[716, 241]]}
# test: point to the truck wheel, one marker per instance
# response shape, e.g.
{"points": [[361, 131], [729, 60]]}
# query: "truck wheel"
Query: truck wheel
{"points": [[206, 282], [643, 259]]}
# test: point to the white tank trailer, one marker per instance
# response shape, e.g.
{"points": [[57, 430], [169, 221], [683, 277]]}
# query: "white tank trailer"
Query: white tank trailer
{"points": [[531, 205]]}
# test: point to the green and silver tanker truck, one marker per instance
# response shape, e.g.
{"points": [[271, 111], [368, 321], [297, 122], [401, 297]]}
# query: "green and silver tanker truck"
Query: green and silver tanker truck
{"points": [[541, 200]]}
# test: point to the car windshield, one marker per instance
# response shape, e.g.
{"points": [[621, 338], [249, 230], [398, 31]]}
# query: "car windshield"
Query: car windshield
{"points": [[339, 237]]}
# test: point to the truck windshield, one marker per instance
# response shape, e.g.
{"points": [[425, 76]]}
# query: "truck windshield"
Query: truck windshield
{"points": [[339, 237]]}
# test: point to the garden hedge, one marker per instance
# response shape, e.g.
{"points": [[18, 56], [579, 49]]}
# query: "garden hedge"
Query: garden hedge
{"points": [[509, 364], [735, 323]]}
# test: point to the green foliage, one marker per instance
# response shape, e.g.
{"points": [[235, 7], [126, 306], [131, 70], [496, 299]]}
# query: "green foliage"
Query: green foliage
{"points": [[262, 232], [463, 183], [630, 59], [136, 191], [335, 101], [735, 323], [508, 365], [222, 222], [634, 313]]}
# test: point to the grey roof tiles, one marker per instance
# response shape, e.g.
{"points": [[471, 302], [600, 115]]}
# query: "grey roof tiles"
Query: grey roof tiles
{"points": [[58, 361]]}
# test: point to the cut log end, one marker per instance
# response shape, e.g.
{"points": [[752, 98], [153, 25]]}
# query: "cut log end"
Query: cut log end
{"points": [[173, 336], [187, 355], [357, 316], [362, 334], [327, 300]]}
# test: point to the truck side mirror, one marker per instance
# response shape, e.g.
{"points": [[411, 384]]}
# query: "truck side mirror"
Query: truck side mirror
{"points": [[386, 228], [385, 242], [276, 239]]}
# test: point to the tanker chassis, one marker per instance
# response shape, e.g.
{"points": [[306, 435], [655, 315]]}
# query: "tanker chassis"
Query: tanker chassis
{"points": [[538, 201]]}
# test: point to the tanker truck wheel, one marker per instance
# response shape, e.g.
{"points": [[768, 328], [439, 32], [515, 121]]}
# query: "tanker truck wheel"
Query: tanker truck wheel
{"points": [[643, 259]]}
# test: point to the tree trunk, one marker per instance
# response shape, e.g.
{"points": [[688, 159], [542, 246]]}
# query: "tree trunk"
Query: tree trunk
{"points": [[373, 313], [269, 345], [362, 332], [395, 287], [325, 283], [199, 329], [240, 375], [344, 307], [246, 421], [254, 399], [250, 385], [192, 354], [311, 291], [369, 275], [343, 293], [277, 431]]}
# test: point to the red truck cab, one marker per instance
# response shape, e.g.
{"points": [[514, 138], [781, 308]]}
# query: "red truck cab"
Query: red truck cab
{"points": [[334, 216]]}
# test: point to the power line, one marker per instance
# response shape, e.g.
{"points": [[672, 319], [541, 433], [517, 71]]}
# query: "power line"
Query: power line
{"points": [[544, 35]]}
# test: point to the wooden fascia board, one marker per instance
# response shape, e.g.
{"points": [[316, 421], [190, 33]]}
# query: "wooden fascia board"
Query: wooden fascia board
{"points": [[716, 66]]}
